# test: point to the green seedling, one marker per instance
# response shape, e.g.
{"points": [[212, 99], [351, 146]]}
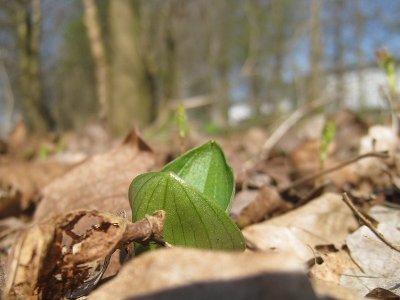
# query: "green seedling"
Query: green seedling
{"points": [[182, 121], [328, 134], [195, 191], [205, 168], [386, 61]]}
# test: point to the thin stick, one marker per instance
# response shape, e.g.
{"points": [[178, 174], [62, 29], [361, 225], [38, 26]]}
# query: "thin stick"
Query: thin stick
{"points": [[368, 223], [333, 169]]}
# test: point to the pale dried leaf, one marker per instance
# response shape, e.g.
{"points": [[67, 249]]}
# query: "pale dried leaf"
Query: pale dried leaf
{"points": [[332, 267], [325, 220], [200, 274], [385, 215], [380, 264]]}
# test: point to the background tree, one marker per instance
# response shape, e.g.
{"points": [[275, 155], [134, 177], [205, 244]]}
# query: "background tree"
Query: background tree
{"points": [[98, 50], [131, 95], [28, 20]]}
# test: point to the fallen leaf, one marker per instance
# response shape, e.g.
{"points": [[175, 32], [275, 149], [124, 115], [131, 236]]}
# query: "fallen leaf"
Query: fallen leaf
{"points": [[328, 290], [265, 204], [379, 293], [241, 200], [379, 263], [200, 274], [332, 267], [21, 183], [325, 220], [100, 183]]}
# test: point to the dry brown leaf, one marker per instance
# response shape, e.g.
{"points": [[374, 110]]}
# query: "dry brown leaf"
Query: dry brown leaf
{"points": [[65, 256], [265, 204], [241, 201], [21, 183], [325, 220], [199, 274], [100, 183]]}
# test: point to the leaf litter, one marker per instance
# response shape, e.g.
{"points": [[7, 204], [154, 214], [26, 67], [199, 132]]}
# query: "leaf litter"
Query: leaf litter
{"points": [[302, 241]]}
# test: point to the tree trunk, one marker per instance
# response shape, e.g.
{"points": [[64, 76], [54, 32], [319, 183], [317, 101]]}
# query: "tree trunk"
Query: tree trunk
{"points": [[359, 19], [99, 56], [315, 51], [339, 50], [131, 95], [28, 18]]}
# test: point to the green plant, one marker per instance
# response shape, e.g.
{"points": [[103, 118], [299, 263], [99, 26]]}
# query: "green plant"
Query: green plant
{"points": [[196, 191], [328, 134], [182, 121], [386, 61]]}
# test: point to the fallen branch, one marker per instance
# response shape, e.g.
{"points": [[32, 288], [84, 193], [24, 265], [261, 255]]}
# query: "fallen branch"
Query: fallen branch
{"points": [[368, 223], [314, 176]]}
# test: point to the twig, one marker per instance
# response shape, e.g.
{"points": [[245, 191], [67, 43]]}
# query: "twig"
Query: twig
{"points": [[303, 180], [149, 228], [368, 223]]}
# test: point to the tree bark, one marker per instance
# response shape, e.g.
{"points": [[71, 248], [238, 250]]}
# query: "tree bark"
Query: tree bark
{"points": [[98, 51], [131, 95]]}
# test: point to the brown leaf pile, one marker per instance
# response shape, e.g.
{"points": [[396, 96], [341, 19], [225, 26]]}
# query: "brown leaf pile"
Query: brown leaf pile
{"points": [[303, 241]]}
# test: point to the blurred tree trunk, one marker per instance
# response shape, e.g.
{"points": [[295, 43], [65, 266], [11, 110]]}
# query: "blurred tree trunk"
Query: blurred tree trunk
{"points": [[28, 20], [131, 94], [316, 49], [339, 50], [359, 19], [219, 35], [280, 38], [98, 51], [250, 66]]}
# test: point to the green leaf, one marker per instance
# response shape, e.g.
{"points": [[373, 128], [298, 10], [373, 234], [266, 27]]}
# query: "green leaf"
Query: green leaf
{"points": [[205, 168], [191, 218]]}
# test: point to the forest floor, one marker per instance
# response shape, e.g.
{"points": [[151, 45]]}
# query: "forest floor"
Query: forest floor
{"points": [[313, 230]]}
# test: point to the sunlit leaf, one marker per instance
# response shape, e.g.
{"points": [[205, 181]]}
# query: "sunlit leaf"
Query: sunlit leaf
{"points": [[205, 168], [192, 219]]}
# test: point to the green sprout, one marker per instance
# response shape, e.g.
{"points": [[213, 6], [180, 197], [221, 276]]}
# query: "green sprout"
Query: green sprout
{"points": [[386, 61], [195, 190], [328, 134], [182, 121]]}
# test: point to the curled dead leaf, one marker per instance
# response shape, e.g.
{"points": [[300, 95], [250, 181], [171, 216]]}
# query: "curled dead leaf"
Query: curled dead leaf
{"points": [[65, 256]]}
